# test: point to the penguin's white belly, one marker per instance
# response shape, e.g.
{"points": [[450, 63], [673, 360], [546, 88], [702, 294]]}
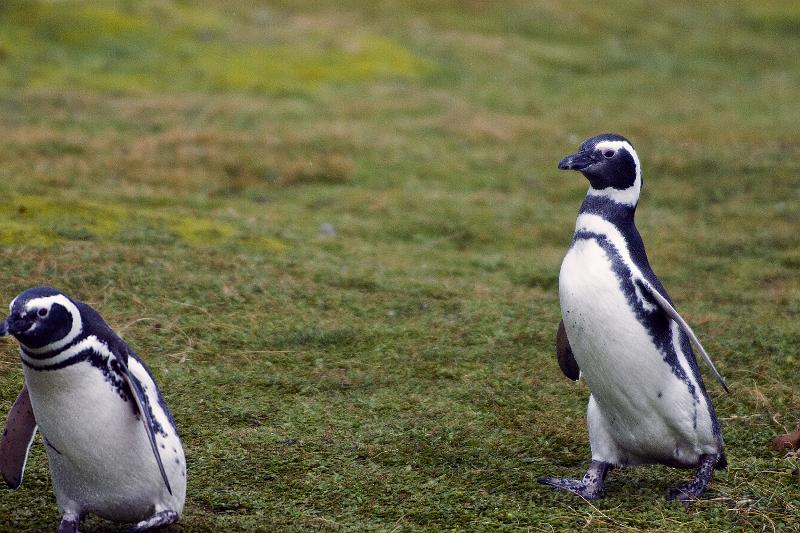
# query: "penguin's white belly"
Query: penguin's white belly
{"points": [[100, 457], [644, 412]]}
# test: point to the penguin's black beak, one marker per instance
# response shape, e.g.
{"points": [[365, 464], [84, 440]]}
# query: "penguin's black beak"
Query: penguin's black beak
{"points": [[14, 325], [577, 161]]}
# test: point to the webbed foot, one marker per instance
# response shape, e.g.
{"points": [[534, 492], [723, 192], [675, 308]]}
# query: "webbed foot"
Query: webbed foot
{"points": [[69, 523], [692, 491], [164, 518], [591, 487]]}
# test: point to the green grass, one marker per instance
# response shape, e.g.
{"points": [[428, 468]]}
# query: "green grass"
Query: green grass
{"points": [[173, 164]]}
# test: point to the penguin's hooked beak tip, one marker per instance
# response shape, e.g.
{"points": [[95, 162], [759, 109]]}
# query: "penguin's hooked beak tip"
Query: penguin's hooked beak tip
{"points": [[578, 161], [13, 325]]}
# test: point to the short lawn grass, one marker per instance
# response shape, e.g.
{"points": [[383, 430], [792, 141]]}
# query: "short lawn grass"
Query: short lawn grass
{"points": [[333, 231]]}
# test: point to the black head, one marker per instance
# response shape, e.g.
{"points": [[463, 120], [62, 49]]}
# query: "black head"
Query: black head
{"points": [[43, 318], [610, 164]]}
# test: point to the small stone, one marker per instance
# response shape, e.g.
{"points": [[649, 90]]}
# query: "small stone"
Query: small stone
{"points": [[327, 230]]}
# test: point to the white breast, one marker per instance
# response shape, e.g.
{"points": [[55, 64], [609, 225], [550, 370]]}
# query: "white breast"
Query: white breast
{"points": [[100, 457], [650, 413]]}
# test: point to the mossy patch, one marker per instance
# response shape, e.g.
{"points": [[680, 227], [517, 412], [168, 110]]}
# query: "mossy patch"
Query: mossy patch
{"points": [[18, 233], [128, 47], [265, 244], [284, 68], [203, 231], [32, 220], [53, 219]]}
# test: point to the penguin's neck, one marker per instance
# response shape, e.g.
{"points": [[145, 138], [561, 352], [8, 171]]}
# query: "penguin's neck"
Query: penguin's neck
{"points": [[614, 220], [619, 214]]}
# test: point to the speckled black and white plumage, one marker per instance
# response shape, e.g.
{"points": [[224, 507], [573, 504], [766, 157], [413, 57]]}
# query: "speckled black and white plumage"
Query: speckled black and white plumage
{"points": [[648, 402], [111, 441]]}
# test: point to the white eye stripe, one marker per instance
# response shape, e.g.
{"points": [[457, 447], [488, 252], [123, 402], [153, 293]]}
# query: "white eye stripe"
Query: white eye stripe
{"points": [[614, 145], [36, 309], [629, 196], [46, 302]]}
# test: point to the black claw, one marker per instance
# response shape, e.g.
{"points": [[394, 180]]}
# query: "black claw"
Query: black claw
{"points": [[686, 494], [591, 487], [575, 486]]}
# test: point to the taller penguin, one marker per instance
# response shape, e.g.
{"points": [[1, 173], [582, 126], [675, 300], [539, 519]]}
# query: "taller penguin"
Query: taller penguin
{"points": [[621, 332]]}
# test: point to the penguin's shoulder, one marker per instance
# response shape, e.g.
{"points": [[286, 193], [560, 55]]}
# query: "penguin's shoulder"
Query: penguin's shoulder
{"points": [[153, 397], [128, 372], [619, 236]]}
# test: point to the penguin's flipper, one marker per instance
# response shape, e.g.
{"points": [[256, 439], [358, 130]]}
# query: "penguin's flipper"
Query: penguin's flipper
{"points": [[671, 312], [17, 439], [139, 399], [566, 359]]}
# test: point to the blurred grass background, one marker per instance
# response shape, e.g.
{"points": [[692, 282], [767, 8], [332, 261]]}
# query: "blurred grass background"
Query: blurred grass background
{"points": [[333, 231]]}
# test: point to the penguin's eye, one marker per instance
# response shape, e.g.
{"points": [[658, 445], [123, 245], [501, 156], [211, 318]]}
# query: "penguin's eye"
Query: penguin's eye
{"points": [[608, 154], [42, 312]]}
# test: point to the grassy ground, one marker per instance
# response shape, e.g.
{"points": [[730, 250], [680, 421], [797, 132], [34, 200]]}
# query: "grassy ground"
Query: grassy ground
{"points": [[175, 165]]}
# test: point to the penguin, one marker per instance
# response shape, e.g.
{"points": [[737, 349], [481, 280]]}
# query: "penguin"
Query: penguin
{"points": [[111, 442], [621, 332]]}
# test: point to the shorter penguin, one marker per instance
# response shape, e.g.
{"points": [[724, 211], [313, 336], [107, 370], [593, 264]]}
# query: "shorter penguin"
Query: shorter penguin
{"points": [[111, 441]]}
